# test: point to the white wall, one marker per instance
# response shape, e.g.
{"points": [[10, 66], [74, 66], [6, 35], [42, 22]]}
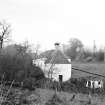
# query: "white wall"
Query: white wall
{"points": [[60, 69], [39, 62]]}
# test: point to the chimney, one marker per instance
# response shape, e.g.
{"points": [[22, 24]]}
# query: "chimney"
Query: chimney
{"points": [[57, 46]]}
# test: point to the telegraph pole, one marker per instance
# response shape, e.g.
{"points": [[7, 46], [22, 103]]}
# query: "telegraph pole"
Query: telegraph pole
{"points": [[94, 48], [104, 54]]}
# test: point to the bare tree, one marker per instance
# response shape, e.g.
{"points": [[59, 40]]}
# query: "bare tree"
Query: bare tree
{"points": [[5, 30], [37, 51], [75, 47], [23, 50]]}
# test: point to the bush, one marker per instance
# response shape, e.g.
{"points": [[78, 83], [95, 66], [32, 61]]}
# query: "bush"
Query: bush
{"points": [[100, 56], [29, 83], [15, 68], [37, 73]]}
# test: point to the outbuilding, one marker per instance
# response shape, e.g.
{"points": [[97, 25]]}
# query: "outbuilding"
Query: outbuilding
{"points": [[58, 65]]}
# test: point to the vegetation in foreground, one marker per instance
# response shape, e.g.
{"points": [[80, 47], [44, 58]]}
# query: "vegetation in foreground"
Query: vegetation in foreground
{"points": [[50, 97]]}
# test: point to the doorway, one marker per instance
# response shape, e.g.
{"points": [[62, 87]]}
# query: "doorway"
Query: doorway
{"points": [[60, 78]]}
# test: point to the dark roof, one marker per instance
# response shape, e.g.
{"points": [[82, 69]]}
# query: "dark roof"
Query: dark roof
{"points": [[57, 57], [46, 54]]}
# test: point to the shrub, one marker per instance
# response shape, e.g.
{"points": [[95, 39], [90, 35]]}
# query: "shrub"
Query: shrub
{"points": [[100, 56], [37, 73], [29, 83]]}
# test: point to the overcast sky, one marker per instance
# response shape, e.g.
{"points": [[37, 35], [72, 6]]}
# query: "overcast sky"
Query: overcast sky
{"points": [[48, 21]]}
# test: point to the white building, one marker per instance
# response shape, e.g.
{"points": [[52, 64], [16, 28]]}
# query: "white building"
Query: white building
{"points": [[40, 62], [58, 64]]}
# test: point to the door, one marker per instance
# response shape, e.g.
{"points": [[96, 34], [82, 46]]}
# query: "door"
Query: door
{"points": [[60, 78]]}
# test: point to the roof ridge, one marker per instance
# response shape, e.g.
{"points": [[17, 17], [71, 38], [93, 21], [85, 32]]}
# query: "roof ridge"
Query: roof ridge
{"points": [[58, 57]]}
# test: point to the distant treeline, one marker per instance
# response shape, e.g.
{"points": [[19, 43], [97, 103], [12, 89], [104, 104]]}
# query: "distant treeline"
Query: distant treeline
{"points": [[76, 51]]}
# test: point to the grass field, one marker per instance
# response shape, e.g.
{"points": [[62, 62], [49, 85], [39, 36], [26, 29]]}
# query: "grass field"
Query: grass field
{"points": [[65, 98], [98, 68]]}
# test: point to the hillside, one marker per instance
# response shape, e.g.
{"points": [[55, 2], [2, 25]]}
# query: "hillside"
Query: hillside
{"points": [[98, 68]]}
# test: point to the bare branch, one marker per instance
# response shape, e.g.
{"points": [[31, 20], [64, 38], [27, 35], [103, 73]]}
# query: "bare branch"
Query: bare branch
{"points": [[5, 30]]}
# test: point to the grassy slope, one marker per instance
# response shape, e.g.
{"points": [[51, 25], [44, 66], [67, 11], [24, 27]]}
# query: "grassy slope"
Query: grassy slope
{"points": [[98, 68]]}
